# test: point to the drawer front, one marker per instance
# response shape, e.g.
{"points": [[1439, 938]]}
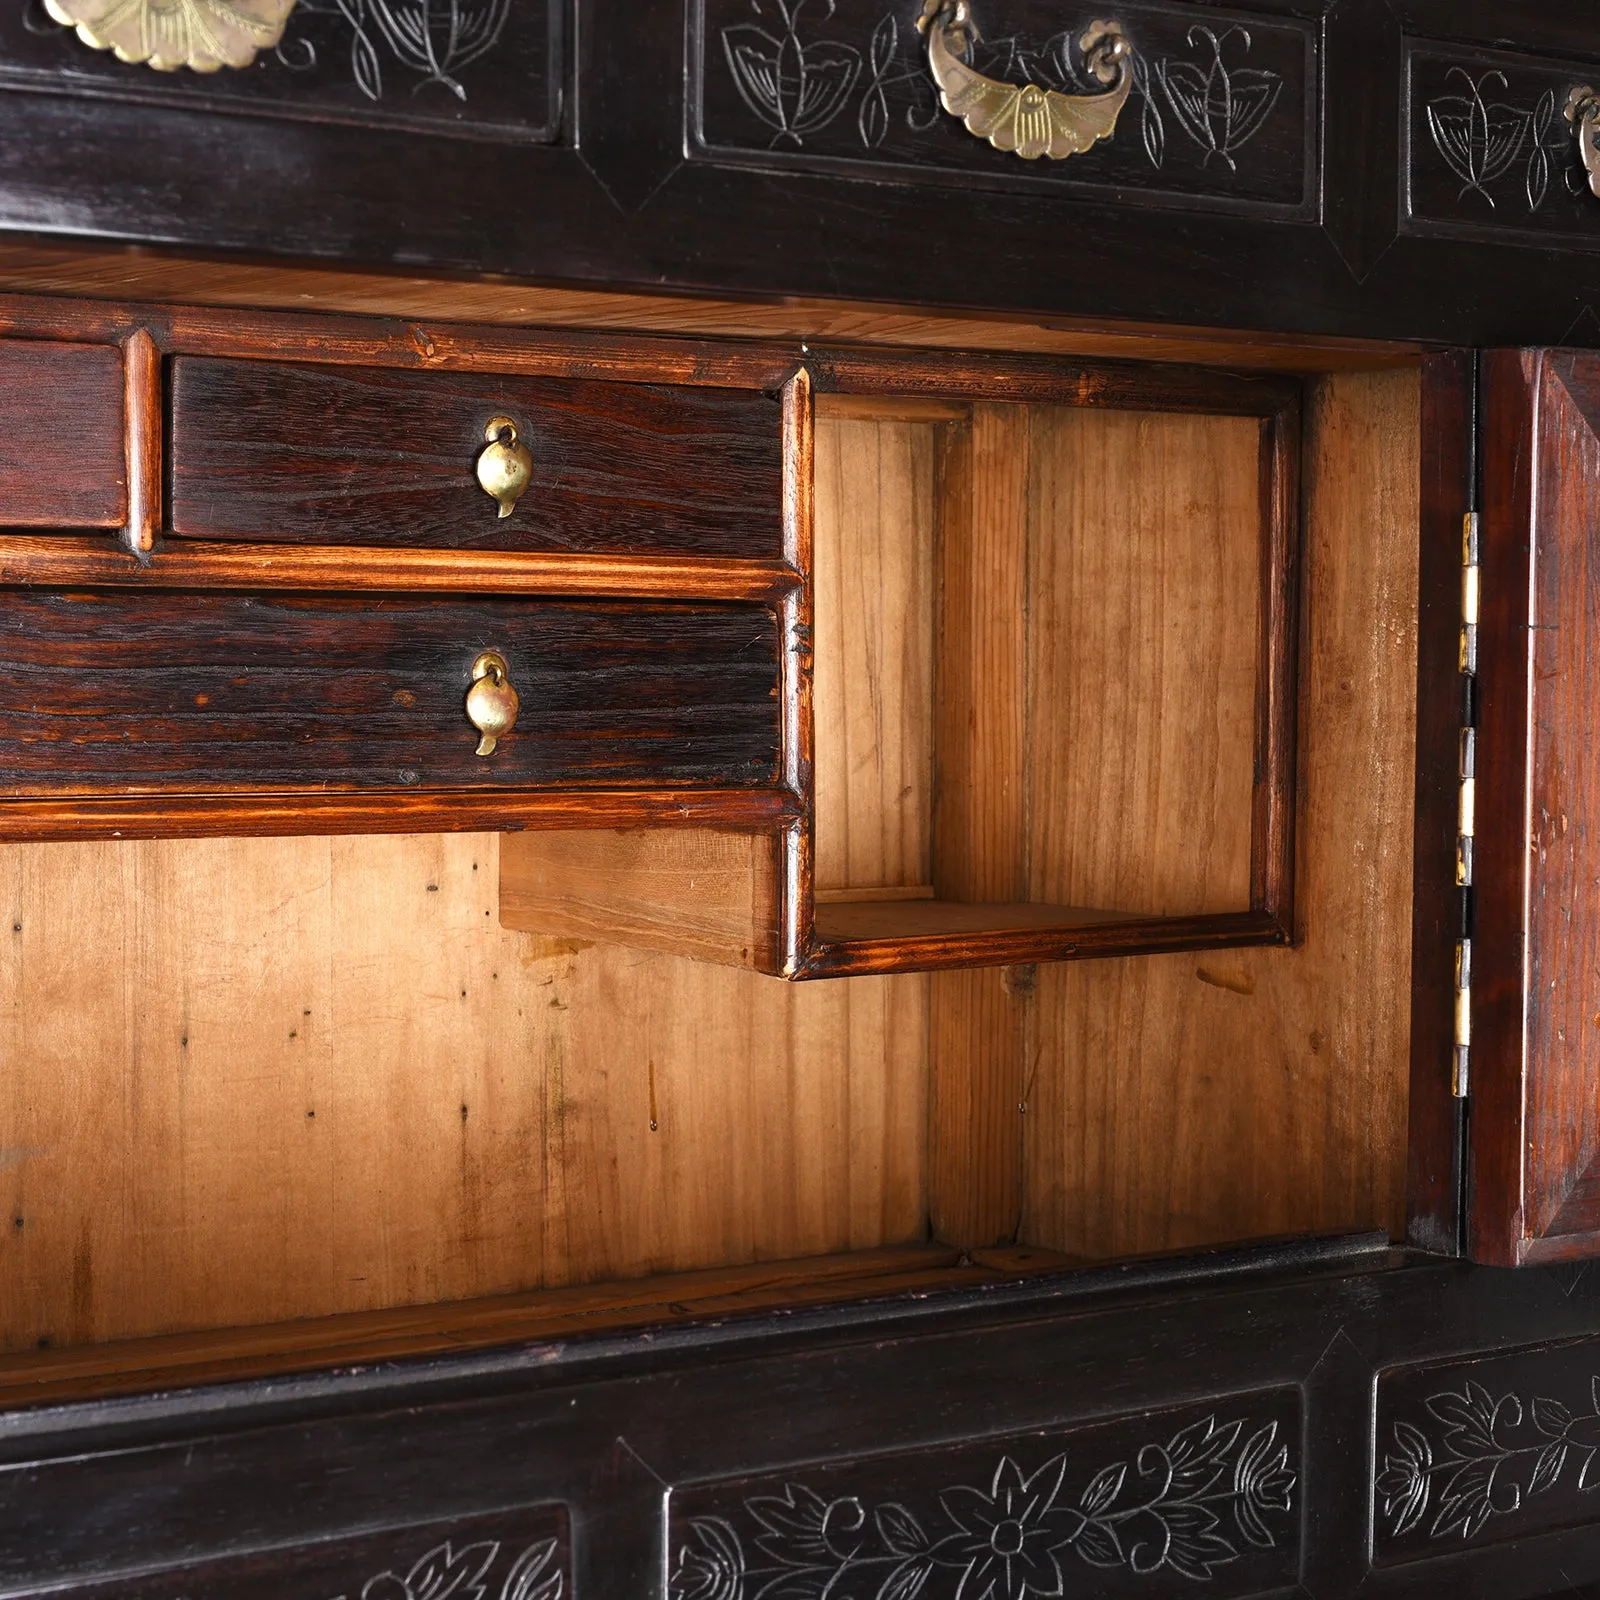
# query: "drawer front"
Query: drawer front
{"points": [[61, 438], [107, 694], [515, 1555], [351, 455]]}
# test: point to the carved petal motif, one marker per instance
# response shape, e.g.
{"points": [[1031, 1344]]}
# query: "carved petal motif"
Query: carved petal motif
{"points": [[168, 34], [1031, 121]]}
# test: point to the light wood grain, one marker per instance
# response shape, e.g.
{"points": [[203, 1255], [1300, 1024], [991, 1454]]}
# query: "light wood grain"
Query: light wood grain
{"points": [[1175, 1101], [873, 652], [700, 892], [248, 1081], [1144, 611], [976, 1022]]}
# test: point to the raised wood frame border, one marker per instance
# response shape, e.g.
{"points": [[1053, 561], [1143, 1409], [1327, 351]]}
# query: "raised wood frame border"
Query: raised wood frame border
{"points": [[940, 376]]}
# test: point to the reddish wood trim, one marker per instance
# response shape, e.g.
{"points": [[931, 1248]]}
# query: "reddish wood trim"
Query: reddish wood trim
{"points": [[1510, 397], [1020, 945], [384, 342], [1272, 860], [187, 816], [796, 879], [60, 561], [1049, 380], [143, 420], [1433, 1182]]}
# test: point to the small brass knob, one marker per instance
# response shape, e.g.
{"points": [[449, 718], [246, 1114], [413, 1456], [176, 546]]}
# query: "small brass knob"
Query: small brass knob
{"points": [[492, 703], [505, 467]]}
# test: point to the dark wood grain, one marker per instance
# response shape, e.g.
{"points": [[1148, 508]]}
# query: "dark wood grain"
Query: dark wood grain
{"points": [[61, 435], [278, 452], [189, 692], [1447, 490], [242, 813]]}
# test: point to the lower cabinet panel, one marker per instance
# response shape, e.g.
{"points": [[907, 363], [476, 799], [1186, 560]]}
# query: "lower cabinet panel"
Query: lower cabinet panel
{"points": [[113, 693], [1328, 1419]]}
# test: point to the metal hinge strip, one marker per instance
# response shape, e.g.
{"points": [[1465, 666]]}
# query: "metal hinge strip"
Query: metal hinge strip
{"points": [[1466, 807]]}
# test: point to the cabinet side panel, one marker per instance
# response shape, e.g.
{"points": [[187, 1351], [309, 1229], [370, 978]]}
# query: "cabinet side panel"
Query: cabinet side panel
{"points": [[1561, 1137], [248, 1081], [1176, 1101]]}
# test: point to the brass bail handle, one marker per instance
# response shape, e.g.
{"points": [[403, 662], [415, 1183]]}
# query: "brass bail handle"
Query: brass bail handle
{"points": [[1022, 117], [492, 702], [505, 464], [1583, 117]]}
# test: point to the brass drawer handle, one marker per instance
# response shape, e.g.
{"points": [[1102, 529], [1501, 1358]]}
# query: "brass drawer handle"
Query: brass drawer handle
{"points": [[492, 704], [1023, 117], [505, 465], [1583, 114]]}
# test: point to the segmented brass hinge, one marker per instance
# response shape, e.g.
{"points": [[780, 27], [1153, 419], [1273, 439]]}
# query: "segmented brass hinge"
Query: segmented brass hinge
{"points": [[1466, 802]]}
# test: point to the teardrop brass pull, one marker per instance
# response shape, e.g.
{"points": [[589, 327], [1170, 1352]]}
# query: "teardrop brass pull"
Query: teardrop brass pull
{"points": [[1023, 117], [492, 703], [505, 466]]}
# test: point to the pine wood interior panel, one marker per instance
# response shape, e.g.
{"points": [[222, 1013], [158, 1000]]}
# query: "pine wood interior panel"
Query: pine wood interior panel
{"points": [[1173, 1100], [248, 1081], [873, 671], [1038, 632], [1143, 636]]}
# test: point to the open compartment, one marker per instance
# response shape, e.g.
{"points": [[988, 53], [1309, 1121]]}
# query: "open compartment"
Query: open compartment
{"points": [[320, 1107], [1054, 675]]}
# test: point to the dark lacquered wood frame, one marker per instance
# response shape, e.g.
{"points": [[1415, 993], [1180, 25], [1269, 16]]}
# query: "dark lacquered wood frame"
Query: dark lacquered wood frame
{"points": [[1276, 402]]}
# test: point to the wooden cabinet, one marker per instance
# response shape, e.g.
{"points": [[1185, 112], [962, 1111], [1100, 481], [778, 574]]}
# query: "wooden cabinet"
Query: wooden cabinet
{"points": [[1028, 597]]}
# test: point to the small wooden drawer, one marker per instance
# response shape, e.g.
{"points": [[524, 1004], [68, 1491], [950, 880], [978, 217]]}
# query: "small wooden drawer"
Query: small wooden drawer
{"points": [[180, 693], [61, 438], [352, 455]]}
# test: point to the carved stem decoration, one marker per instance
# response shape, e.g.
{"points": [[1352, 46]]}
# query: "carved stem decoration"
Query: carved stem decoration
{"points": [[1031, 121], [168, 34], [1583, 112]]}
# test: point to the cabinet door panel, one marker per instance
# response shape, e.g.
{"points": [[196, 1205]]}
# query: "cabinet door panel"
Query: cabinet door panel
{"points": [[1536, 945]]}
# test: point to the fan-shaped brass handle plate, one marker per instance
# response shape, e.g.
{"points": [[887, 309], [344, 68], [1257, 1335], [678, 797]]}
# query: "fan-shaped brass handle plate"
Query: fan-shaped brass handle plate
{"points": [[1024, 118], [1583, 114], [168, 34]]}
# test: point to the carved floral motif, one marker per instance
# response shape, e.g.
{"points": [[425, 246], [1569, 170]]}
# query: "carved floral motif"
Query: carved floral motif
{"points": [[1480, 1455], [1176, 1510]]}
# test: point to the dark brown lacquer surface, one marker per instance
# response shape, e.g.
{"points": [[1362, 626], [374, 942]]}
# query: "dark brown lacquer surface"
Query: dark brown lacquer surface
{"points": [[1536, 1045], [517, 1555], [61, 444], [186, 692], [348, 455]]}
